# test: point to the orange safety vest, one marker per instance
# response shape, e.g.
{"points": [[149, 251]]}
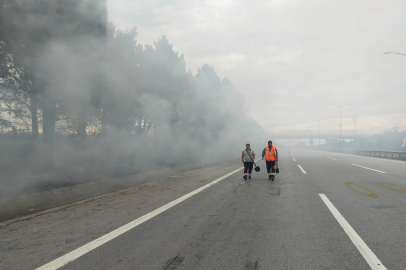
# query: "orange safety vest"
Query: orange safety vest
{"points": [[270, 155]]}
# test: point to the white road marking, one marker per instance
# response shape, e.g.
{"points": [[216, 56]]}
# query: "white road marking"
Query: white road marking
{"points": [[303, 171], [365, 251], [294, 159], [331, 158], [73, 255], [367, 168]]}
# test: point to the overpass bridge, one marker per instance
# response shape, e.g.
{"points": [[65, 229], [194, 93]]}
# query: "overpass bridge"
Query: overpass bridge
{"points": [[327, 136], [314, 136]]}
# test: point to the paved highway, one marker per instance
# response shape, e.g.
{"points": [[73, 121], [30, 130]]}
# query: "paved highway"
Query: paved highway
{"points": [[323, 211]]}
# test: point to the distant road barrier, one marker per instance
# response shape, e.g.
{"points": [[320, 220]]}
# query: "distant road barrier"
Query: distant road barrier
{"points": [[372, 153]]}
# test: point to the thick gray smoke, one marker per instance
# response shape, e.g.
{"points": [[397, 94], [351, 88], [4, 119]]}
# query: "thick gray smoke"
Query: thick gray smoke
{"points": [[82, 101]]}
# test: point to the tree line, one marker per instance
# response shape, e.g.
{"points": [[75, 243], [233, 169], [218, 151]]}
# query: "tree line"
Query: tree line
{"points": [[66, 70]]}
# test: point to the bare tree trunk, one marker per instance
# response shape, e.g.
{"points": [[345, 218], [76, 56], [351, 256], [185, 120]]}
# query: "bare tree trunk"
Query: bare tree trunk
{"points": [[104, 123], [139, 128], [49, 120], [49, 111], [34, 114], [81, 128]]}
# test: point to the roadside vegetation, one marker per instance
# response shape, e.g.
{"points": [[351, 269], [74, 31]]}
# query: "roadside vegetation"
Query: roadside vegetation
{"points": [[82, 100]]}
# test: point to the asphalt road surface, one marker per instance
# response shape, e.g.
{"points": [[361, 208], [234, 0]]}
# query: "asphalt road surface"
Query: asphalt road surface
{"points": [[323, 211]]}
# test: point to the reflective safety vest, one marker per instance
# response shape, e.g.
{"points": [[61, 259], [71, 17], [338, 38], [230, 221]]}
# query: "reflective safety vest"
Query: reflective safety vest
{"points": [[270, 155]]}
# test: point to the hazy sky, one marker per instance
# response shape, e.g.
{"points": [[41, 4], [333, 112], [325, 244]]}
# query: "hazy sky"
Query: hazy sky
{"points": [[290, 58]]}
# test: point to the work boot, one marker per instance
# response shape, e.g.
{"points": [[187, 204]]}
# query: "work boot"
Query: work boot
{"points": [[245, 177], [249, 176], [270, 177], [273, 177]]}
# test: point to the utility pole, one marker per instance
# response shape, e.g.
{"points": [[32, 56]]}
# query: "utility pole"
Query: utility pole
{"points": [[319, 129], [310, 137], [340, 106], [354, 121]]}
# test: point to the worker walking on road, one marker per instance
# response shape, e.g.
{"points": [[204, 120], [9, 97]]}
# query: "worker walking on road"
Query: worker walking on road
{"points": [[248, 157], [271, 156]]}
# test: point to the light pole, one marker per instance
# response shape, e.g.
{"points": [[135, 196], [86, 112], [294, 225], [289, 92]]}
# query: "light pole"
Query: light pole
{"points": [[340, 106], [319, 129], [310, 137], [394, 53]]}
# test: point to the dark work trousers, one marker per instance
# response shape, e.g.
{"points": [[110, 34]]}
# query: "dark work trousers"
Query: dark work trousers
{"points": [[270, 165], [248, 167]]}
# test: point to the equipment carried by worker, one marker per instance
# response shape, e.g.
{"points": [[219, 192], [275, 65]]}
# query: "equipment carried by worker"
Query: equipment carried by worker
{"points": [[257, 168], [277, 167]]}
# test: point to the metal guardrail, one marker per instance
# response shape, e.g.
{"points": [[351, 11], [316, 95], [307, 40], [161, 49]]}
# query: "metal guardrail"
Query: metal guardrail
{"points": [[372, 153]]}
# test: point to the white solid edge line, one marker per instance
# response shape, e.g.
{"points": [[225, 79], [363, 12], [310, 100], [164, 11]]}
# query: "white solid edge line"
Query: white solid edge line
{"points": [[73, 255], [303, 171], [294, 159], [331, 158], [367, 168], [365, 251]]}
